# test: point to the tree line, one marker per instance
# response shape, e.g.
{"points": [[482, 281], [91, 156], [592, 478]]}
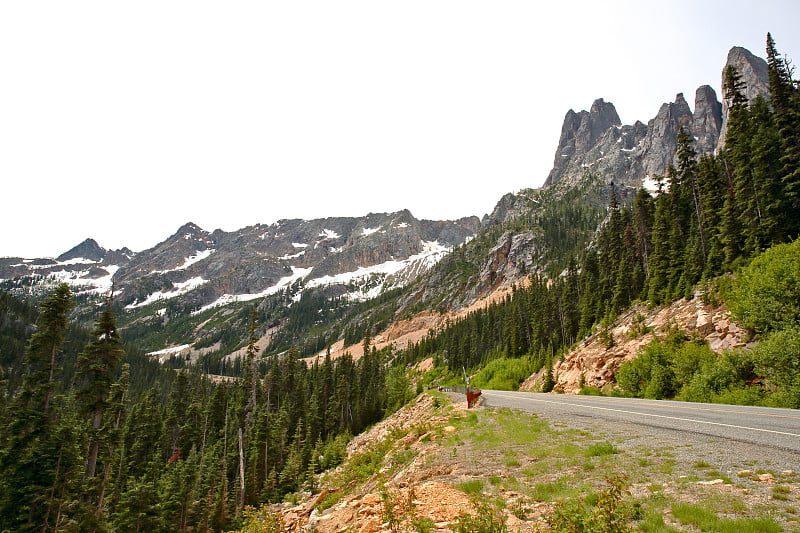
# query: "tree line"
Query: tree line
{"points": [[108, 449]]}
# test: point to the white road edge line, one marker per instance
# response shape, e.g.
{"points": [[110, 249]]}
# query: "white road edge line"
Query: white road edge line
{"points": [[646, 414]]}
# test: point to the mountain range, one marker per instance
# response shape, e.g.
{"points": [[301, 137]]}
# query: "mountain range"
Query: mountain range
{"points": [[359, 258]]}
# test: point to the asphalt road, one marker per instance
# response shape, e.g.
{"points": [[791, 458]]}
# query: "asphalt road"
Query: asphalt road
{"points": [[763, 426]]}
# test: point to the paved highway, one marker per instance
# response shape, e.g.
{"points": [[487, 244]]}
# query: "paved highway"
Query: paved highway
{"points": [[764, 426]]}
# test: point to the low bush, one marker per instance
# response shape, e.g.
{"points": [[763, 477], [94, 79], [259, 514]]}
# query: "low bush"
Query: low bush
{"points": [[765, 295], [604, 512], [505, 373]]}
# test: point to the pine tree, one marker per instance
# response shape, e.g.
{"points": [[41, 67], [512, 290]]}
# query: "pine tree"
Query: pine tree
{"points": [[95, 375], [785, 101], [736, 158], [37, 448]]}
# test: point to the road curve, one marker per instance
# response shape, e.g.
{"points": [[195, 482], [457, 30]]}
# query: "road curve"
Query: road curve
{"points": [[763, 426]]}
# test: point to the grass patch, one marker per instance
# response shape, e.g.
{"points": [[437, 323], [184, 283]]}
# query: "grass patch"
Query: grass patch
{"points": [[781, 492], [705, 520], [601, 449], [666, 467], [560, 488], [654, 523], [473, 487]]}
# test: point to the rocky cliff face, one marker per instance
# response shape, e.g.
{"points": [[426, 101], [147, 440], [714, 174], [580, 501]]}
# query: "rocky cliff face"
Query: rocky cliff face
{"points": [[579, 136]]}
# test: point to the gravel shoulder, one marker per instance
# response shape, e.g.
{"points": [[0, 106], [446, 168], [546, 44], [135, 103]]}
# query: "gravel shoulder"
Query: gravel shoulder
{"points": [[435, 461]]}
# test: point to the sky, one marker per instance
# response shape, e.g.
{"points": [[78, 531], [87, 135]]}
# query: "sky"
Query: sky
{"points": [[121, 121]]}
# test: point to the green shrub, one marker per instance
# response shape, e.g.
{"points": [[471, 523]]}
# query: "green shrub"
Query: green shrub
{"points": [[765, 295], [604, 512], [505, 373], [777, 358], [261, 520], [487, 520], [650, 375], [473, 487], [723, 379]]}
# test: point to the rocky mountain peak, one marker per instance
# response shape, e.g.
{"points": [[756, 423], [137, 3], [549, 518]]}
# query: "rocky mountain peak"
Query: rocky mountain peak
{"points": [[604, 115], [579, 133], [594, 143], [753, 69], [190, 228], [88, 249], [660, 143], [755, 75], [706, 120]]}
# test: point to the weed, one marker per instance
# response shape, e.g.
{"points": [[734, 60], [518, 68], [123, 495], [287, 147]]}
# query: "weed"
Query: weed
{"points": [[702, 464], [654, 523], [519, 510], [604, 512], [487, 520], [600, 449], [423, 525]]}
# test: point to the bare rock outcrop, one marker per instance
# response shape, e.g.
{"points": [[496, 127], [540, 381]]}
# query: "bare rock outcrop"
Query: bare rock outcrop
{"points": [[596, 360]]}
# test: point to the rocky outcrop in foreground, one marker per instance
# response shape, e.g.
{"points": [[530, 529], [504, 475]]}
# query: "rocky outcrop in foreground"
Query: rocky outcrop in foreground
{"points": [[598, 357]]}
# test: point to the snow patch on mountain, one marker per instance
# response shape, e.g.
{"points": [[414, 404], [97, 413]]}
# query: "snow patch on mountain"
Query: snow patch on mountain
{"points": [[179, 289], [369, 231], [189, 261], [80, 281], [329, 234], [395, 273], [225, 299], [166, 353], [293, 256]]}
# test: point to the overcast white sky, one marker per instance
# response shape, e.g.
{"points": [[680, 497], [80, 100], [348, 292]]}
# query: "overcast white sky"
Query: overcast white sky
{"points": [[123, 120]]}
